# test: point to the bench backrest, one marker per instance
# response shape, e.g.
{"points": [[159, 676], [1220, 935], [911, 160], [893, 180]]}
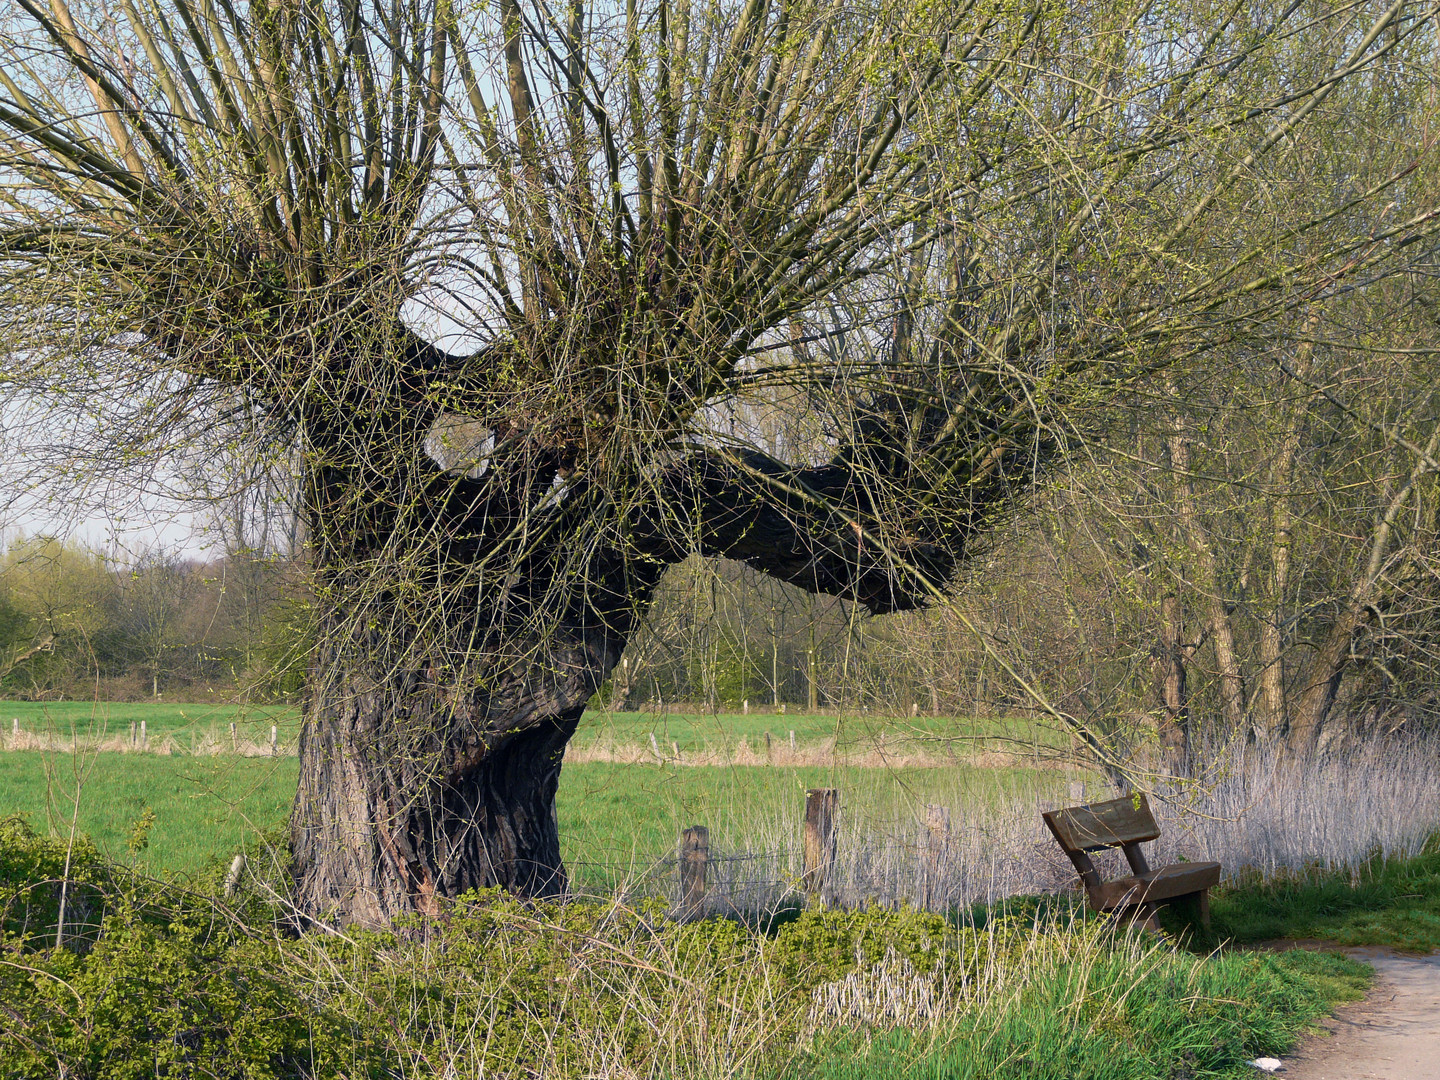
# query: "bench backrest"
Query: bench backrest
{"points": [[1122, 821]]}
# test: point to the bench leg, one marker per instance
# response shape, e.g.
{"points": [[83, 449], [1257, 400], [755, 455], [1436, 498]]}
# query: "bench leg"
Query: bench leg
{"points": [[1141, 915], [1196, 907]]}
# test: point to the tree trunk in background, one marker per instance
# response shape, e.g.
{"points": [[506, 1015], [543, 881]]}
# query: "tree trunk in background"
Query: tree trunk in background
{"points": [[620, 684], [774, 665], [1272, 716], [1308, 719], [1197, 536], [812, 696], [1170, 672], [1321, 683]]}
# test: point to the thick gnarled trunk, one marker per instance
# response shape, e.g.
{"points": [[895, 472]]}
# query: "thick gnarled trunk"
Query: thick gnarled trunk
{"points": [[416, 788]]}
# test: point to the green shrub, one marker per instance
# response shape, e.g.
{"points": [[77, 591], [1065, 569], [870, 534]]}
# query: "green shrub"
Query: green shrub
{"points": [[175, 985], [32, 869], [152, 1001]]}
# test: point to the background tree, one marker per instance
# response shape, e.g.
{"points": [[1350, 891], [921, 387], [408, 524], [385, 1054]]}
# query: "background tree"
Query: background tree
{"points": [[63, 606], [249, 224], [153, 609]]}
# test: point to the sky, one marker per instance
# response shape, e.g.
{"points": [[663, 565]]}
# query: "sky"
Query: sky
{"points": [[121, 535]]}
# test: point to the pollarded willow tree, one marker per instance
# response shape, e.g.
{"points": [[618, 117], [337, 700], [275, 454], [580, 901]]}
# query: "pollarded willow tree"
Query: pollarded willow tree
{"points": [[241, 229]]}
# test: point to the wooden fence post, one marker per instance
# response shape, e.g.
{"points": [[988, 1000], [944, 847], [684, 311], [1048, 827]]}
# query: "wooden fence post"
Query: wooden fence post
{"points": [[694, 868], [144, 737], [232, 877], [767, 747], [274, 740], [937, 850], [821, 805], [234, 742], [792, 740], [655, 749]]}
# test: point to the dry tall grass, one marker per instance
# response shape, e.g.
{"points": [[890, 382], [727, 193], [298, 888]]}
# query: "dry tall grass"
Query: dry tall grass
{"points": [[698, 1012], [203, 744], [1252, 811]]}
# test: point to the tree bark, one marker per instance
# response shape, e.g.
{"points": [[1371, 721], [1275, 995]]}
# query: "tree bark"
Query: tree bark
{"points": [[1311, 714], [449, 674], [1321, 683], [1222, 631], [1273, 716]]}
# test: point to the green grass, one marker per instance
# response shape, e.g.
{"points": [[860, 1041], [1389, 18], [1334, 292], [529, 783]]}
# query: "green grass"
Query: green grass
{"points": [[695, 731], [1392, 902], [157, 980], [205, 808], [618, 819], [189, 723], [615, 819], [1118, 1012], [1061, 1004], [1101, 1021]]}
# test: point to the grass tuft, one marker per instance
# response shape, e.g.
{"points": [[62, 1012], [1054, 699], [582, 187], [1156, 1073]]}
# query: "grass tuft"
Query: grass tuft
{"points": [[1122, 1014]]}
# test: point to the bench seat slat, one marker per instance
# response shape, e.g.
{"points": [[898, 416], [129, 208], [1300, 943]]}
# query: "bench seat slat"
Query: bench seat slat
{"points": [[1167, 883]]}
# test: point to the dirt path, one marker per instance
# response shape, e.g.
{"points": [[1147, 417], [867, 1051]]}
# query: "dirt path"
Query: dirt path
{"points": [[1394, 1034]]}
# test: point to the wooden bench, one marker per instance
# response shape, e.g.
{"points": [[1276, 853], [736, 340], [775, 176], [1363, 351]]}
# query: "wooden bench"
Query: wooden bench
{"points": [[1127, 823]]}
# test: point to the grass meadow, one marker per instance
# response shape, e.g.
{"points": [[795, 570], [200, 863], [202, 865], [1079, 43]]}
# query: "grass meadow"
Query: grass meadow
{"points": [[205, 729], [621, 804], [170, 727], [624, 799], [206, 808], [620, 813]]}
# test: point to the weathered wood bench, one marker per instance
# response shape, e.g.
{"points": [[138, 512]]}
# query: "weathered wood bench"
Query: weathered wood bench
{"points": [[1127, 823]]}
